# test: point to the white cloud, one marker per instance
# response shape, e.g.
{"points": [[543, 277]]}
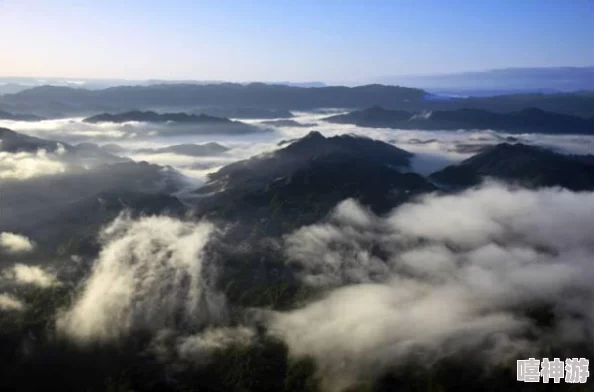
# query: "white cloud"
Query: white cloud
{"points": [[443, 275], [171, 347], [70, 129], [10, 302], [30, 274], [15, 243], [150, 275], [197, 348], [439, 148], [24, 165]]}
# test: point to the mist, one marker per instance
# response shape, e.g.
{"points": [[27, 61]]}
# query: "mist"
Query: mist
{"points": [[492, 274], [444, 276], [25, 165], [433, 150], [149, 275], [13, 243], [9, 302], [23, 274]]}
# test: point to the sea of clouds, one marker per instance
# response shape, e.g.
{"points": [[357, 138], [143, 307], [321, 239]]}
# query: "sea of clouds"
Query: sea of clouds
{"points": [[436, 277], [445, 274], [439, 277], [433, 149]]}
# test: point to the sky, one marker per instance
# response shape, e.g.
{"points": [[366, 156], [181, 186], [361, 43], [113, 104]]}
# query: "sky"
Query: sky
{"points": [[278, 40]]}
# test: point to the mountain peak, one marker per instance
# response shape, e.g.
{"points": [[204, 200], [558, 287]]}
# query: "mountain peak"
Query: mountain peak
{"points": [[314, 135], [522, 164]]}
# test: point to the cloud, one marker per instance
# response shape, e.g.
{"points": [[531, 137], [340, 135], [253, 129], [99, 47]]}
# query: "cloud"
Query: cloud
{"points": [[75, 130], [195, 167], [15, 243], [24, 165], [170, 347], [30, 274], [9, 302], [72, 129], [150, 275], [153, 276], [496, 273], [433, 149], [197, 348]]}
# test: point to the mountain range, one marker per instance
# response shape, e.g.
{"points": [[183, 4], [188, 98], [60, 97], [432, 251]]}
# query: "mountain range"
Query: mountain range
{"points": [[178, 123], [245, 112], [508, 79], [258, 206], [225, 99], [299, 183], [196, 150], [19, 117], [529, 120], [520, 164], [66, 101], [275, 192], [304, 180], [153, 117], [80, 154], [288, 123]]}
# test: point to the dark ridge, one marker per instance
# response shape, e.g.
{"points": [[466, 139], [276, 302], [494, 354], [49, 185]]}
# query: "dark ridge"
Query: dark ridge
{"points": [[288, 123], [153, 117], [265, 168], [66, 101], [19, 117], [196, 150], [14, 142], [531, 120], [17, 142], [54, 208], [520, 164], [246, 112], [55, 101], [301, 182]]}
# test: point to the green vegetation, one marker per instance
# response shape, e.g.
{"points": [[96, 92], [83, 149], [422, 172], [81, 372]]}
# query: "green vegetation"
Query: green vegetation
{"points": [[33, 358]]}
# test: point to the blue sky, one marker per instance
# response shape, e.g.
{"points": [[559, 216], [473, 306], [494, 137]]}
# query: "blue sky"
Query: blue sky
{"points": [[333, 41]]}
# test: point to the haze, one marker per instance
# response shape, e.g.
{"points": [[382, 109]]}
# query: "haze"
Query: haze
{"points": [[335, 42]]}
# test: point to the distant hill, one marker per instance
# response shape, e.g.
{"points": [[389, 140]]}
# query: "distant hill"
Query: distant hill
{"points": [[301, 182], [521, 164], [70, 207], [179, 123], [11, 88], [153, 117], [580, 103], [288, 123], [262, 169], [19, 117], [17, 142], [559, 79], [197, 150], [527, 120], [94, 187], [245, 112], [81, 154], [65, 101]]}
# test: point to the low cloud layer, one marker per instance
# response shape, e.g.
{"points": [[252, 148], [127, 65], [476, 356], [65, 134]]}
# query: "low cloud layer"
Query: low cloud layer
{"points": [[433, 149], [13, 243], [195, 350], [9, 302], [496, 272], [30, 275], [24, 165], [150, 275]]}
